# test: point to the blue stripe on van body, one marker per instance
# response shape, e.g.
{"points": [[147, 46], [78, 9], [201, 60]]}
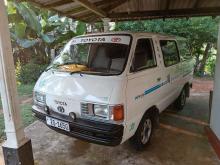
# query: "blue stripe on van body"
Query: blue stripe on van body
{"points": [[152, 89]]}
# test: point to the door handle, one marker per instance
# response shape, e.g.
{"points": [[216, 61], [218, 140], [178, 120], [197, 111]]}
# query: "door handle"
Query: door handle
{"points": [[158, 79]]}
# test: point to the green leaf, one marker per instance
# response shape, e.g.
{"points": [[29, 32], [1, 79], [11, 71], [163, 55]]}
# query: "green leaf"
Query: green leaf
{"points": [[53, 18], [50, 28], [43, 22], [10, 8], [15, 18], [29, 17], [64, 38], [23, 43], [47, 38], [80, 28], [20, 29], [26, 43], [13, 36]]}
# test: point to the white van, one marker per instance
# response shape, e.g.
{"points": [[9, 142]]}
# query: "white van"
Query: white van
{"points": [[107, 88]]}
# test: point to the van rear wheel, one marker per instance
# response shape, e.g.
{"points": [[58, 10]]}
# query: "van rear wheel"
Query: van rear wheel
{"points": [[143, 133], [181, 100]]}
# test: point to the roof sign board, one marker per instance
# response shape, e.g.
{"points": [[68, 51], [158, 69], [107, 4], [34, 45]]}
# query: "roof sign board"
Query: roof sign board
{"points": [[119, 39]]}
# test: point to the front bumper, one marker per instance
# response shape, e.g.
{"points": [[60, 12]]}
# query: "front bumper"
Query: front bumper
{"points": [[91, 131]]}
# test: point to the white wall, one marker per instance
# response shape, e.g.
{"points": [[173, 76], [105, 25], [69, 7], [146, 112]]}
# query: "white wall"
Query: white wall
{"points": [[215, 113]]}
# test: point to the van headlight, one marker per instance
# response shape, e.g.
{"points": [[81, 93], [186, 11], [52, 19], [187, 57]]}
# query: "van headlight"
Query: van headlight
{"points": [[39, 98], [101, 111], [104, 112]]}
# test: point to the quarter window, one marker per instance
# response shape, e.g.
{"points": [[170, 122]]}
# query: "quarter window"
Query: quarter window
{"points": [[144, 55], [170, 52]]}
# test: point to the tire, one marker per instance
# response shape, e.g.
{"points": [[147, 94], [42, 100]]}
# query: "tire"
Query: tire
{"points": [[181, 100], [143, 134]]}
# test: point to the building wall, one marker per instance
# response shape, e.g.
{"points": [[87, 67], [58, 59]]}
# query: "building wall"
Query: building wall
{"points": [[215, 113]]}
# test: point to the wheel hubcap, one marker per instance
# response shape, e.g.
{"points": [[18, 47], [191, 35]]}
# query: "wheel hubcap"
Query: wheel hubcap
{"points": [[146, 132]]}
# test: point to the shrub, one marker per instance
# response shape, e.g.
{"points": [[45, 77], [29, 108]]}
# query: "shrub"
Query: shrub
{"points": [[18, 72], [210, 66], [29, 73]]}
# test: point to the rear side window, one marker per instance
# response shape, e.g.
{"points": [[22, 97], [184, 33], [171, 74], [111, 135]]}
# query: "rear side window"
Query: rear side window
{"points": [[184, 50], [144, 55], [170, 52]]}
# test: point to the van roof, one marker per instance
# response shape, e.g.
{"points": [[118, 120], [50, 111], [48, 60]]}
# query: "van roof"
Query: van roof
{"points": [[133, 34]]}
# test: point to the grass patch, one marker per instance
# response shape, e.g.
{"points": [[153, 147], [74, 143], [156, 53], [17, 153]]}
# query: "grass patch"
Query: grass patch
{"points": [[26, 112], [2, 127], [27, 119], [27, 116], [25, 89]]}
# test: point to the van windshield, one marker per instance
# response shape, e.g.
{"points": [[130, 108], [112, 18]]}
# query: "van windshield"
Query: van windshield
{"points": [[107, 55]]}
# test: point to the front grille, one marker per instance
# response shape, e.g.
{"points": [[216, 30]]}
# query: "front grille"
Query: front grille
{"points": [[87, 110], [84, 109]]}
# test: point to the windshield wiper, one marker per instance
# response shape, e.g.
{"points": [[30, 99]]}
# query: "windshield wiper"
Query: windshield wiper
{"points": [[75, 72], [66, 63], [70, 63]]}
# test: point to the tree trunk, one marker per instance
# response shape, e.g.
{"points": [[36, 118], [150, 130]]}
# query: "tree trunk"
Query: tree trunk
{"points": [[196, 63], [204, 59]]}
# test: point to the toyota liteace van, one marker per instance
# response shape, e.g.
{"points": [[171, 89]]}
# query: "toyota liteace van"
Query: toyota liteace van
{"points": [[107, 88]]}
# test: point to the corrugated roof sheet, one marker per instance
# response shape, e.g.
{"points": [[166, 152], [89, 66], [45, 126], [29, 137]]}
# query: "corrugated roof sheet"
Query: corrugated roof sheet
{"points": [[118, 10]]}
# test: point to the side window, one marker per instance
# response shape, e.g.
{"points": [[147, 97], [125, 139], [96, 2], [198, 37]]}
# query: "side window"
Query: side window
{"points": [[184, 50], [144, 55], [170, 52]]}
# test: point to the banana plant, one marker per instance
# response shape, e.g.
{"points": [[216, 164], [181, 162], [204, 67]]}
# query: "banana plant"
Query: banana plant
{"points": [[37, 31]]}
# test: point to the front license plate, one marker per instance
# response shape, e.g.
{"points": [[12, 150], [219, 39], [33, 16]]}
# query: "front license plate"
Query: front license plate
{"points": [[57, 123]]}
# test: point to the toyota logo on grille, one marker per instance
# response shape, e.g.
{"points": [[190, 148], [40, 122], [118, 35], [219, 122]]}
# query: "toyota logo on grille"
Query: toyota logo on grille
{"points": [[60, 109]]}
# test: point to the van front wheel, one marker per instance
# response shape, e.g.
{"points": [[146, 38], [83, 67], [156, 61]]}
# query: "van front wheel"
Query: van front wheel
{"points": [[143, 134], [181, 100]]}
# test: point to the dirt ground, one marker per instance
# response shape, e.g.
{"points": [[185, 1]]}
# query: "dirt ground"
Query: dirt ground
{"points": [[202, 85], [179, 140]]}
